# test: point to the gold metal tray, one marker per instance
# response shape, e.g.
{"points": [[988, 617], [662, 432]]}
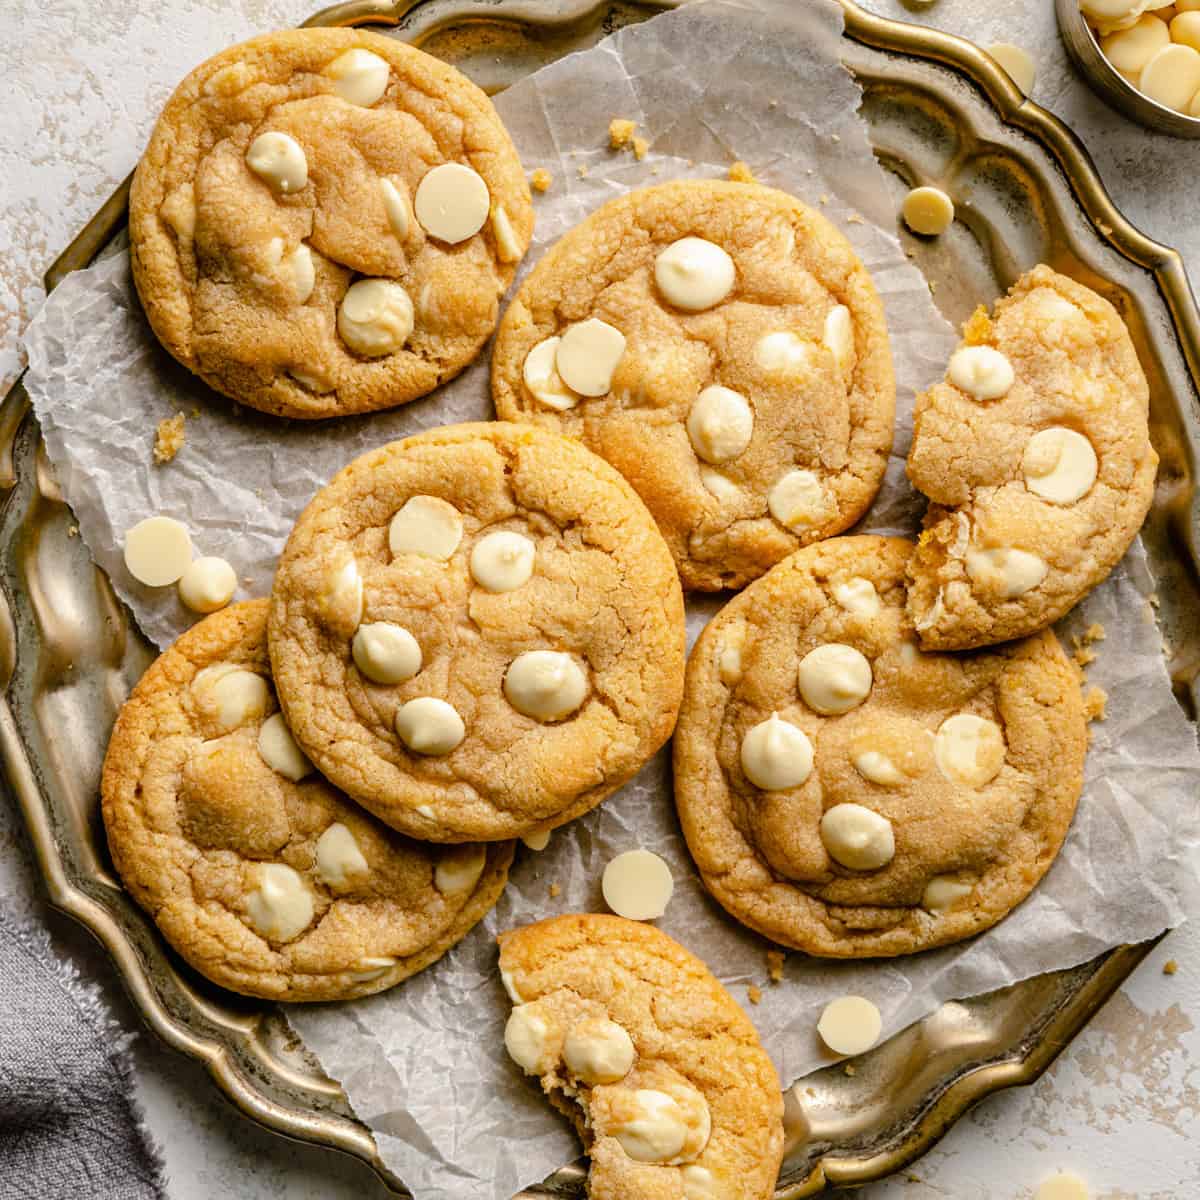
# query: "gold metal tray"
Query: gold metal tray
{"points": [[938, 110]]}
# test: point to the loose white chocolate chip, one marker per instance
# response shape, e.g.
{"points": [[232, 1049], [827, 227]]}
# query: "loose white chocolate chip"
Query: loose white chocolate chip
{"points": [[527, 1039], [359, 76], [543, 380], [508, 249], [338, 856], [598, 1050], [452, 202], [981, 371], [718, 485], [459, 869], [720, 424], [699, 1183], [858, 596], [797, 499], [502, 561], [928, 211], [277, 159], [1063, 1186], [783, 353], [157, 551], [969, 749], [538, 840], [834, 678], [944, 891], [850, 1025], [395, 205], [858, 838], [1184, 30], [1017, 62], [386, 653], [878, 768], [650, 1126], [838, 336], [279, 749], [426, 526], [1172, 77], [429, 726], [587, 355], [340, 602], [281, 907], [1014, 571], [775, 755], [375, 317], [235, 695], [546, 685], [1059, 465], [207, 584], [1131, 49], [694, 274], [637, 885]]}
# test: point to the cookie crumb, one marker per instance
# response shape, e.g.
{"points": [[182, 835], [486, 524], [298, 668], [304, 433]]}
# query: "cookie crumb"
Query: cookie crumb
{"points": [[640, 146], [754, 994], [772, 103], [540, 180], [1095, 700], [1170, 967], [1094, 633], [978, 329], [73, 531], [809, 1091], [582, 170], [247, 580], [554, 890], [850, 1070], [195, 413], [620, 133], [775, 960], [739, 172], [855, 219], [835, 137], [824, 198], [1084, 656], [1153, 600], [169, 438]]}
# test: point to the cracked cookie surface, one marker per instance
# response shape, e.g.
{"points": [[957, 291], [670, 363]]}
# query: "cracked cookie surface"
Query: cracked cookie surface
{"points": [[657, 1066], [268, 880], [751, 406], [543, 620], [1035, 493], [288, 167], [876, 800]]}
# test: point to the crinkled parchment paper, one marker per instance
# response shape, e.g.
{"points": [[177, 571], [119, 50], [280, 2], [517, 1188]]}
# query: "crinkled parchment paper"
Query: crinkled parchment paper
{"points": [[424, 1065]]}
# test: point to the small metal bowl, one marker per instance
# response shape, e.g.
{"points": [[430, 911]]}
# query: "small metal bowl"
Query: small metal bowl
{"points": [[1084, 49]]}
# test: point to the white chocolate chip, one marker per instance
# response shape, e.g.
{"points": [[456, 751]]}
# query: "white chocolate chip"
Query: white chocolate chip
{"points": [[452, 202], [838, 336], [359, 76], [300, 269], [699, 1183], [944, 891], [694, 274], [373, 967], [1131, 49], [1017, 62], [1014, 572], [426, 526], [720, 424], [1059, 465], [279, 750], [386, 653], [338, 856], [935, 612], [928, 211], [157, 551], [429, 726], [233, 695], [179, 210], [546, 685], [783, 353], [858, 596], [598, 1050], [510, 986], [650, 1126], [375, 317], [281, 907], [1063, 1186], [850, 1025], [396, 206], [587, 354], [858, 838], [538, 840], [729, 654], [981, 371], [543, 380], [502, 561], [459, 869], [315, 382], [207, 584], [277, 159], [340, 602], [969, 749], [718, 485], [1172, 76], [834, 678], [775, 755], [637, 885], [878, 768], [527, 1038], [797, 500], [508, 248]]}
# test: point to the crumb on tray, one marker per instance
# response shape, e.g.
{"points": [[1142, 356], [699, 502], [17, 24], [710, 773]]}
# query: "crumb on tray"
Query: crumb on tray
{"points": [[554, 890], [640, 146], [540, 180], [582, 170], [754, 994], [73, 531], [169, 438], [1095, 699], [775, 964], [739, 172], [1170, 967], [620, 132], [850, 1069]]}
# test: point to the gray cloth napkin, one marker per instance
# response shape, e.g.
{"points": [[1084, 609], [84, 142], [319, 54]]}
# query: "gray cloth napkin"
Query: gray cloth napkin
{"points": [[69, 1122]]}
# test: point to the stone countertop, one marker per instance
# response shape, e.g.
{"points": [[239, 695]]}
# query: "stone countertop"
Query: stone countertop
{"points": [[1121, 1106]]}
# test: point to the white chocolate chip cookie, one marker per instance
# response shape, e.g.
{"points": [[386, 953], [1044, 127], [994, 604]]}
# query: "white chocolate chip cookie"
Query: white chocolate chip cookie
{"points": [[652, 1060], [722, 346], [1037, 461], [256, 870], [478, 632], [324, 222], [901, 800]]}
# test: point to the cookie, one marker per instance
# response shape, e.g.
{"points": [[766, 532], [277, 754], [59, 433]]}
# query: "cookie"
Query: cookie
{"points": [[324, 222], [656, 1065], [478, 632], [258, 872], [1036, 457], [846, 794], [723, 347]]}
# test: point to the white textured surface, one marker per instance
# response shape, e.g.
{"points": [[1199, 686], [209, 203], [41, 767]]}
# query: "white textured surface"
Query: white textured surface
{"points": [[1122, 1107]]}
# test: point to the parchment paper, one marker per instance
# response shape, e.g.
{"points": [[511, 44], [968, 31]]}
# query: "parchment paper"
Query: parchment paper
{"points": [[424, 1065]]}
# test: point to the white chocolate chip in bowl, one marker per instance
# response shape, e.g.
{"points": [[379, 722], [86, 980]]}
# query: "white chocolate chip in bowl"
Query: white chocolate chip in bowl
{"points": [[1131, 49], [385, 653], [1010, 571], [720, 424], [546, 685], [426, 526], [279, 750], [928, 211], [797, 500], [281, 906], [232, 695], [396, 206], [429, 726], [207, 584], [158, 551], [850, 1025], [857, 837], [637, 885], [279, 161], [598, 1050], [587, 355], [338, 857], [502, 561], [1059, 464], [981, 371], [1172, 76], [452, 202], [858, 596], [543, 380], [776, 755], [694, 274], [969, 749], [375, 317], [459, 869], [834, 678], [359, 76]]}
